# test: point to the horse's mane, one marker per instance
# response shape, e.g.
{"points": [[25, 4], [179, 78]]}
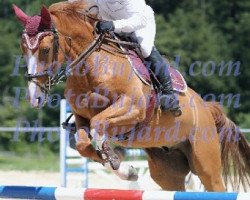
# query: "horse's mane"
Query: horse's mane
{"points": [[73, 10]]}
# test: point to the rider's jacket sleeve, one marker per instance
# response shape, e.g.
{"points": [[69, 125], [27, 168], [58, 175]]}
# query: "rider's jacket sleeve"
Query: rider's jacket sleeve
{"points": [[136, 22], [128, 15], [137, 14]]}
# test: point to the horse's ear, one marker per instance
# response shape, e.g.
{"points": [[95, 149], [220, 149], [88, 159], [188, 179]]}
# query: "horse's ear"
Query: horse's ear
{"points": [[21, 16], [45, 18]]}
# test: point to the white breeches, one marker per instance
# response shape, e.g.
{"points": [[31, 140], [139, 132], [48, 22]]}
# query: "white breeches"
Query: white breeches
{"points": [[146, 38]]}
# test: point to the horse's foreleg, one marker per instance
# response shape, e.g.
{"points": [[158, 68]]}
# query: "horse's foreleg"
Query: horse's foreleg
{"points": [[83, 145], [85, 148], [121, 113]]}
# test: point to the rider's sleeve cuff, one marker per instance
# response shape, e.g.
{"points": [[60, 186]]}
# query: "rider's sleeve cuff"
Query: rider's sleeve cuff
{"points": [[118, 26]]}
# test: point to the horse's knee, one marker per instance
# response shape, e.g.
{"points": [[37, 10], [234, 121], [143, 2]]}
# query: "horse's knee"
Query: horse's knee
{"points": [[85, 149]]}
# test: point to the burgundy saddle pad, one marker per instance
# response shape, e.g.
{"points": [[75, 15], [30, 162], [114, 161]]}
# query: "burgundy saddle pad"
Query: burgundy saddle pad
{"points": [[179, 83]]}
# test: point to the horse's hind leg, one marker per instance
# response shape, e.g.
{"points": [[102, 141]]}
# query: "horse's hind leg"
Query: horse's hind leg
{"points": [[206, 161], [168, 169]]}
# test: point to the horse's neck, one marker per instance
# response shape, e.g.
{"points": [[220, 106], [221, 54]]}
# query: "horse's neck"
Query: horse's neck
{"points": [[92, 72], [75, 37], [102, 69]]}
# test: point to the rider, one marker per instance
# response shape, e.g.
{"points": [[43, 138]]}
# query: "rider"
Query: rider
{"points": [[135, 16]]}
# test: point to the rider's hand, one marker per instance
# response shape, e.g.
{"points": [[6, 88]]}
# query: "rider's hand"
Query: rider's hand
{"points": [[104, 27]]}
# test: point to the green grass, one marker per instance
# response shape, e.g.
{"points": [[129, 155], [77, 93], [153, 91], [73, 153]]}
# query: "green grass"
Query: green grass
{"points": [[48, 162]]}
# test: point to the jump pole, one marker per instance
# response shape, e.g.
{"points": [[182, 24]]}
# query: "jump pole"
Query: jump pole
{"points": [[53, 193]]}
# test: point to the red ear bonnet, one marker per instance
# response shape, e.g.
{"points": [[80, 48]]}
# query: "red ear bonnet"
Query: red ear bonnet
{"points": [[45, 18], [34, 24], [35, 27], [21, 16]]}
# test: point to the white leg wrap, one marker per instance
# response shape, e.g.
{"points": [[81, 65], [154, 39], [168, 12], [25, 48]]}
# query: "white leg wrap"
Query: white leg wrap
{"points": [[125, 172], [97, 138]]}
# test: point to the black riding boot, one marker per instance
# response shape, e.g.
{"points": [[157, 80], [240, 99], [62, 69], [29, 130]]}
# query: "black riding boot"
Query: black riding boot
{"points": [[160, 68]]}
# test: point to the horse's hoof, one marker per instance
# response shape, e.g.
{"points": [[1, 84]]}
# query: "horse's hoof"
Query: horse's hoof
{"points": [[127, 172], [133, 174]]}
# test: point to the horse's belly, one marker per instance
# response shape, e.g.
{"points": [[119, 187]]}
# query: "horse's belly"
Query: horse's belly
{"points": [[153, 136]]}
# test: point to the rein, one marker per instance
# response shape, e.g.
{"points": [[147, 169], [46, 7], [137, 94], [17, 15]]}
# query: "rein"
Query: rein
{"points": [[132, 44], [58, 77], [83, 56]]}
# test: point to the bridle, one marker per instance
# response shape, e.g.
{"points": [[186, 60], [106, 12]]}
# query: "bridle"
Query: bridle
{"points": [[47, 73], [54, 79]]}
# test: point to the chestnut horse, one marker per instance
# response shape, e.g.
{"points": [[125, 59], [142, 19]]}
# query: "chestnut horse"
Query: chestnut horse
{"points": [[202, 140]]}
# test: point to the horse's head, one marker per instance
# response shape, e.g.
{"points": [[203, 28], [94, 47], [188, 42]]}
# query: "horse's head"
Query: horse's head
{"points": [[39, 45]]}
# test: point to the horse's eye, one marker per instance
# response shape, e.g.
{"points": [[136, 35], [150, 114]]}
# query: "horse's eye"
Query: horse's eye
{"points": [[45, 51]]}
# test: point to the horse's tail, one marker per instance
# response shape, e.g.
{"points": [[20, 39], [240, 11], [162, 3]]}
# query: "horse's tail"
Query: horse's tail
{"points": [[235, 150]]}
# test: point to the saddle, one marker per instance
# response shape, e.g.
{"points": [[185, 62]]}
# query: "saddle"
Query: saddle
{"points": [[147, 76], [143, 72]]}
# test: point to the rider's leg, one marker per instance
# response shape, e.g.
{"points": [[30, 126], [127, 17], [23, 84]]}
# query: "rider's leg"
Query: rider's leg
{"points": [[161, 69], [146, 38]]}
